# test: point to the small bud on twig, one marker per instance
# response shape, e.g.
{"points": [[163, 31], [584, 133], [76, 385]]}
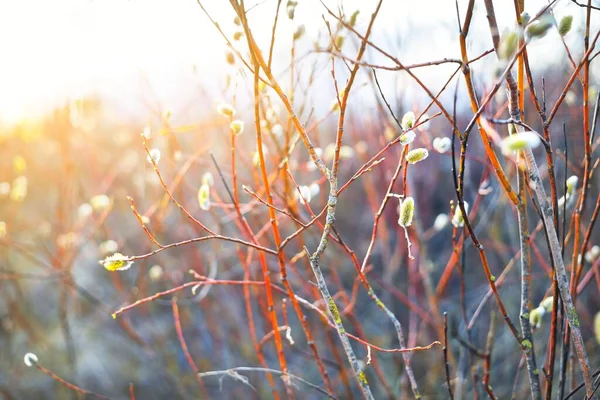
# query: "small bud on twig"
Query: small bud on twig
{"points": [[407, 211], [442, 144], [520, 141], [540, 27], [237, 127], [458, 219], [226, 110], [30, 359], [407, 137], [204, 197], [116, 262], [535, 317], [565, 25], [408, 120], [416, 155]]}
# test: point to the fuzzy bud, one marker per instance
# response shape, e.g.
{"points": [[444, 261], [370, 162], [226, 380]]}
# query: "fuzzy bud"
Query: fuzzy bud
{"points": [[339, 41], [237, 127], [508, 44], [291, 8], [540, 27], [572, 182], [155, 273], [592, 255], [84, 211], [238, 35], [116, 262], [416, 155], [154, 155], [100, 202], [458, 219], [304, 195], [565, 25], [314, 189], [300, 30], [230, 58], [207, 179], [204, 197], [407, 137], [353, 17], [440, 222], [277, 130], [442, 144], [147, 132], [535, 317], [408, 120], [547, 303], [109, 247], [30, 359], [226, 110], [256, 156], [406, 212], [520, 141]]}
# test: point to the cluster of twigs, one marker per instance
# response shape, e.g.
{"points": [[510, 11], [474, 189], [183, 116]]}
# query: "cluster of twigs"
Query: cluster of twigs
{"points": [[287, 254]]}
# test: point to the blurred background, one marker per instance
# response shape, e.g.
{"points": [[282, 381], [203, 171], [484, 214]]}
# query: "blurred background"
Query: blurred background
{"points": [[81, 81]]}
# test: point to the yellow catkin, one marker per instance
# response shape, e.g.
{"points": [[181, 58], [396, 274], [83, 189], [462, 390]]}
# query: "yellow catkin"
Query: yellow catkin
{"points": [[407, 211], [416, 155]]}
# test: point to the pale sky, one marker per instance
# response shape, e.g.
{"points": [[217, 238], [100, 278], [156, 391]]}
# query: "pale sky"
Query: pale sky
{"points": [[52, 51]]}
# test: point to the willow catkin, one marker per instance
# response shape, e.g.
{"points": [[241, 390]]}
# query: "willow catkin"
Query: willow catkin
{"points": [[226, 110], [565, 25], [416, 155], [237, 126], [116, 262], [408, 120], [204, 197], [407, 211]]}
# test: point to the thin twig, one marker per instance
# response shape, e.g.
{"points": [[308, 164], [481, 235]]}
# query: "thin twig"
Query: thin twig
{"points": [[233, 373]]}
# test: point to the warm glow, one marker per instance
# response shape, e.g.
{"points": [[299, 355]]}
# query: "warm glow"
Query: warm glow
{"points": [[52, 51], [228, 199], [133, 50], [140, 52]]}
